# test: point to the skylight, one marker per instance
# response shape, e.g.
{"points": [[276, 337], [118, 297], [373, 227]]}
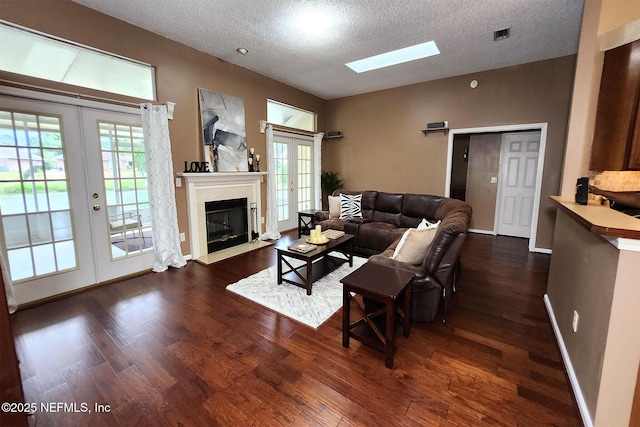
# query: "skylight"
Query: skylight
{"points": [[395, 57]]}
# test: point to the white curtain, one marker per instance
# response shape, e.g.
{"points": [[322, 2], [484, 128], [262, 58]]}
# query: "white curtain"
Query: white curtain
{"points": [[162, 197], [271, 232], [317, 167]]}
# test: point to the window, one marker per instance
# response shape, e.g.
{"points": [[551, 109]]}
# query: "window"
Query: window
{"points": [[37, 55], [289, 116]]}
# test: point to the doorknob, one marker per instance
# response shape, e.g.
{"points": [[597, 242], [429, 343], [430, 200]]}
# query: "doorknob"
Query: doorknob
{"points": [[95, 195], [96, 207]]}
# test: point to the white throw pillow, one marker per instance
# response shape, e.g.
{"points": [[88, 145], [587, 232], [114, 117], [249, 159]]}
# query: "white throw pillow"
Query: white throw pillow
{"points": [[334, 206], [425, 224], [350, 206], [414, 245]]}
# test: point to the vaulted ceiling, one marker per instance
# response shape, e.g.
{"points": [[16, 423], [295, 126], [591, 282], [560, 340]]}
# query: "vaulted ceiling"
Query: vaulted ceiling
{"points": [[306, 43]]}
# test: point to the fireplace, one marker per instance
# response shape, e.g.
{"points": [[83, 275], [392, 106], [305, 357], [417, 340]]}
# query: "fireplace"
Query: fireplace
{"points": [[208, 187], [227, 223]]}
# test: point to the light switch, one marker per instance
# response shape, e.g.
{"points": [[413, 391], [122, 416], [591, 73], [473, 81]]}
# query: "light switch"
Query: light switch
{"points": [[178, 182]]}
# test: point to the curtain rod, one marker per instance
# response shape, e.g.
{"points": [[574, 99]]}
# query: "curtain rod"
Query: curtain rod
{"points": [[73, 94], [292, 130]]}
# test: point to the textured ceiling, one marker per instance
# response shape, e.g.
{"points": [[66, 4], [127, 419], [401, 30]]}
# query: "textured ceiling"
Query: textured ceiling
{"points": [[279, 48]]}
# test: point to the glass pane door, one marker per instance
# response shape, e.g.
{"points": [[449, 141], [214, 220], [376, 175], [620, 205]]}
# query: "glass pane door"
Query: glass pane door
{"points": [[43, 205], [36, 214], [74, 207], [293, 156], [305, 175], [122, 220], [124, 173], [283, 182]]}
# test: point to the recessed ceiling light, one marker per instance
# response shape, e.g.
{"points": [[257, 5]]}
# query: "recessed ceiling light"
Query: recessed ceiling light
{"points": [[394, 57], [242, 50]]}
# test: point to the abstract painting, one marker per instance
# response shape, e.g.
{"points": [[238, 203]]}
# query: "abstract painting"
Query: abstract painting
{"points": [[223, 130]]}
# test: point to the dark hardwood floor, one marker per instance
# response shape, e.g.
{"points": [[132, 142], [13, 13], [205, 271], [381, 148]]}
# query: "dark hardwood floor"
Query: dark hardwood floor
{"points": [[177, 349]]}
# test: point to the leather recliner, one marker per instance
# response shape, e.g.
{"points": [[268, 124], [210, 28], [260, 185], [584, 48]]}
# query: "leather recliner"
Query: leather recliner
{"points": [[386, 216]]}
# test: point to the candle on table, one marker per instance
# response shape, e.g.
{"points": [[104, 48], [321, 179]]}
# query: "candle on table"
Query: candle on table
{"points": [[250, 160], [251, 150], [258, 157]]}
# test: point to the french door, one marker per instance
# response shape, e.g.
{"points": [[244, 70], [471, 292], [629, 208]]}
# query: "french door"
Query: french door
{"points": [[293, 158], [73, 202]]}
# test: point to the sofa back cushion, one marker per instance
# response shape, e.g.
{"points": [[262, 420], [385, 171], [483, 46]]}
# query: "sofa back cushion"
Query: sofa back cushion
{"points": [[388, 208], [416, 207]]}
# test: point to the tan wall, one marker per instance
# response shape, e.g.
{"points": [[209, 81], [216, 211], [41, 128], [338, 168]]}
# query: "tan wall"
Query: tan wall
{"points": [[180, 72], [588, 274], [484, 161], [581, 277], [383, 147], [615, 13], [622, 353]]}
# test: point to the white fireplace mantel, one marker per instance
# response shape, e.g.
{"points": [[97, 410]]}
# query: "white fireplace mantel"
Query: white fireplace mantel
{"points": [[206, 187]]}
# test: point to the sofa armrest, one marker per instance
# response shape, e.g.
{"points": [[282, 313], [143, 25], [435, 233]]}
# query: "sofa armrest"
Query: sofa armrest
{"points": [[426, 292], [385, 259], [321, 215]]}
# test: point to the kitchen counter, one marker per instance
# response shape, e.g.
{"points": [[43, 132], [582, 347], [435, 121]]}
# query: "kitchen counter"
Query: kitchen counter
{"points": [[600, 219]]}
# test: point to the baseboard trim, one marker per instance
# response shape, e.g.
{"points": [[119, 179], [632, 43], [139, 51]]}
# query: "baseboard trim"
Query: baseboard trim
{"points": [[475, 230], [577, 392], [542, 250]]}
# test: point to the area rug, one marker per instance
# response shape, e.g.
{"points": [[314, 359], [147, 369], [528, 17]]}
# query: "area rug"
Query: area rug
{"points": [[292, 301]]}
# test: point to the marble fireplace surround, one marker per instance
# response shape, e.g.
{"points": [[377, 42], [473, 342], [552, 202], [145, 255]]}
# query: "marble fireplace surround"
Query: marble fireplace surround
{"points": [[206, 187]]}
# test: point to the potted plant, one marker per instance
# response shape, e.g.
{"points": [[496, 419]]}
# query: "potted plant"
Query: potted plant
{"points": [[329, 181]]}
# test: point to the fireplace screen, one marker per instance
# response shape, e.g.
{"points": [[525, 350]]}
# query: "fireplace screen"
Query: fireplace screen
{"points": [[227, 223]]}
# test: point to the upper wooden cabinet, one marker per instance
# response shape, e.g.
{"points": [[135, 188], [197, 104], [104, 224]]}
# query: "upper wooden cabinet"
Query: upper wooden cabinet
{"points": [[616, 140]]}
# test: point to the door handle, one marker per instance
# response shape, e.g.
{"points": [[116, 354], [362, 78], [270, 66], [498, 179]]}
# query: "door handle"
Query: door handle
{"points": [[96, 207]]}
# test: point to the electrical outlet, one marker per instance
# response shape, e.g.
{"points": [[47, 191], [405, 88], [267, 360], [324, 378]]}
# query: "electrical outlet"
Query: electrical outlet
{"points": [[494, 179], [574, 324], [261, 220], [182, 237]]}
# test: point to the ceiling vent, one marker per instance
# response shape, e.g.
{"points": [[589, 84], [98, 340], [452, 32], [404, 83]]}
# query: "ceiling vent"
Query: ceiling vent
{"points": [[501, 34]]}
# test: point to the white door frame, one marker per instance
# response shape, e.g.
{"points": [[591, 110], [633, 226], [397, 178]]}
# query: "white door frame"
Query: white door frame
{"points": [[542, 127], [25, 94], [293, 172]]}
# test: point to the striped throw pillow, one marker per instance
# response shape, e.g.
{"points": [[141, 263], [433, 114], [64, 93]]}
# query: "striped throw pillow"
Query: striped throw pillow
{"points": [[350, 206]]}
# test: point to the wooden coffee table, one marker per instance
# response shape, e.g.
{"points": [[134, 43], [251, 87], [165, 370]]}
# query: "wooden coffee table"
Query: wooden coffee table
{"points": [[377, 329], [318, 262]]}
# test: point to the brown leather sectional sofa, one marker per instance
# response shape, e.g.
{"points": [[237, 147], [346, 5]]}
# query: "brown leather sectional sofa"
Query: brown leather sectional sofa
{"points": [[385, 218]]}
